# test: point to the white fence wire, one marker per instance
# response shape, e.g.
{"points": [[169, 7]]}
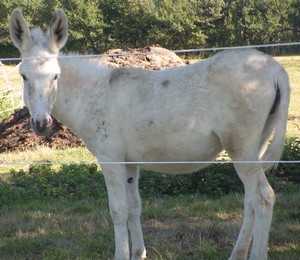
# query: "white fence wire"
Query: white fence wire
{"points": [[14, 94], [151, 163]]}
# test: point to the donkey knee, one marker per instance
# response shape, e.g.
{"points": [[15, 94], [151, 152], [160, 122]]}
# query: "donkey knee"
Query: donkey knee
{"points": [[266, 197], [119, 215]]}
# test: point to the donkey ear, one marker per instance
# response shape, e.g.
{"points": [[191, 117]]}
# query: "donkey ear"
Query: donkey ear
{"points": [[19, 31], [58, 31]]}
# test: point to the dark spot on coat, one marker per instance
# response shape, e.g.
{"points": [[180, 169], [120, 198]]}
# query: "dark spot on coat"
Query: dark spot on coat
{"points": [[117, 74], [150, 123], [165, 83], [130, 180]]}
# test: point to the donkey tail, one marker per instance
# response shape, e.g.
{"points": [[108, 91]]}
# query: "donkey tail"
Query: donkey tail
{"points": [[276, 123]]}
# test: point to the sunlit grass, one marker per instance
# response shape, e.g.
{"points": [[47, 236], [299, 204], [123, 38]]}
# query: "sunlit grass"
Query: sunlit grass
{"points": [[179, 227], [292, 65], [44, 154]]}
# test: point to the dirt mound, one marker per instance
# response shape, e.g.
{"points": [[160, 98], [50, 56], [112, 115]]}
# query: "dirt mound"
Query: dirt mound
{"points": [[154, 58], [15, 132]]}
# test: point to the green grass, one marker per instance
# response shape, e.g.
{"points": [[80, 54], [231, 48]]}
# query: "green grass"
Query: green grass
{"points": [[183, 227], [44, 154], [63, 214]]}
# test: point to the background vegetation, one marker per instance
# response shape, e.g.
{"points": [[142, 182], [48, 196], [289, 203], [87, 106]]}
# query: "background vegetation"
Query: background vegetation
{"points": [[99, 25]]}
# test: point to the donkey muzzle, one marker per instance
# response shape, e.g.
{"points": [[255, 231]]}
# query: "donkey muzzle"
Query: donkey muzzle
{"points": [[41, 125]]}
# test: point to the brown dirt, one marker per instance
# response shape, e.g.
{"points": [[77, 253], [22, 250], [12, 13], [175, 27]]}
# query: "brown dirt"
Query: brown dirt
{"points": [[15, 132], [157, 58]]}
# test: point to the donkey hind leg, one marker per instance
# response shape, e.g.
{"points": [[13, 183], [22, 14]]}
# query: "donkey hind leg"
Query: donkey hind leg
{"points": [[259, 201], [134, 212], [115, 178]]}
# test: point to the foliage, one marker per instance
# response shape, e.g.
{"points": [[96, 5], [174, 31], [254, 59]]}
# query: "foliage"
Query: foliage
{"points": [[257, 22], [98, 25], [86, 25], [41, 182], [291, 152], [214, 181]]}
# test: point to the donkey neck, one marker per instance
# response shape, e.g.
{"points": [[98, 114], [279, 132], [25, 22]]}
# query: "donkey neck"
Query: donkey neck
{"points": [[81, 84]]}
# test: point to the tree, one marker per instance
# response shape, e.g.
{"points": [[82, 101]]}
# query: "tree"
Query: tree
{"points": [[85, 25], [178, 24], [128, 23], [31, 9], [256, 22]]}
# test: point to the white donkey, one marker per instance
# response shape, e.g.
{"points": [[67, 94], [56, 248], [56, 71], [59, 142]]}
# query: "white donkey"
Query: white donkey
{"points": [[233, 101]]}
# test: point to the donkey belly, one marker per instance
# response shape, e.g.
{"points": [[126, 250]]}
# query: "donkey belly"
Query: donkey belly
{"points": [[176, 167], [175, 152]]}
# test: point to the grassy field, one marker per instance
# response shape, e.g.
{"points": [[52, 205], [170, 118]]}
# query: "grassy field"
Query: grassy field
{"points": [[184, 227], [43, 154]]}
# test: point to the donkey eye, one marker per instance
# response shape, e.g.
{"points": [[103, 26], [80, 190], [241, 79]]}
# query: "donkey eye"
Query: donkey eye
{"points": [[56, 77], [24, 77]]}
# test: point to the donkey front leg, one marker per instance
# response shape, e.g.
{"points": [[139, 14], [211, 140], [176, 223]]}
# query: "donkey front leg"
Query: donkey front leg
{"points": [[115, 178]]}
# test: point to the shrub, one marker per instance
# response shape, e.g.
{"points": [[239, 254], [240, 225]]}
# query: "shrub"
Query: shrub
{"points": [[42, 182], [291, 152], [214, 181]]}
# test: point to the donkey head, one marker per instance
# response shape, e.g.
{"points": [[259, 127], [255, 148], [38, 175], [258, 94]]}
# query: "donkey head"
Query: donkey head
{"points": [[40, 68]]}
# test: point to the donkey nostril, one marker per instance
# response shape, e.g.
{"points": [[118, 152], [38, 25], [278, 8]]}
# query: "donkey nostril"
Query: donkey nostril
{"points": [[32, 121], [41, 125], [45, 123]]}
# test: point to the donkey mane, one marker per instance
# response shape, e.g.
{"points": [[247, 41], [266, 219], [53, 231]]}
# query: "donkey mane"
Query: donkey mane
{"points": [[38, 37]]}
